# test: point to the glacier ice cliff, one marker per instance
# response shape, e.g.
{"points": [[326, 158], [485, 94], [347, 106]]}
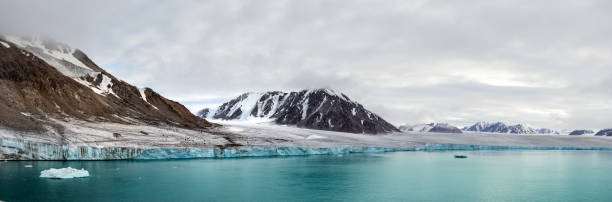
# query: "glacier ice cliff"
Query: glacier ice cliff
{"points": [[24, 150]]}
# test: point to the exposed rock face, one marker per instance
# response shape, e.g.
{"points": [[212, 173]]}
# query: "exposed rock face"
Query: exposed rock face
{"points": [[431, 127], [500, 127], [604, 132], [42, 80], [581, 132], [322, 109]]}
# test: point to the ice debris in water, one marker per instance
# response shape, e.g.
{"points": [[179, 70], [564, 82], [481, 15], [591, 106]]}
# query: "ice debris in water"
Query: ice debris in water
{"points": [[28, 166], [64, 173]]}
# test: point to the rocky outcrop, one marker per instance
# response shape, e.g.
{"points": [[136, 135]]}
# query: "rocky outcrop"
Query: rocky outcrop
{"points": [[322, 109], [581, 132]]}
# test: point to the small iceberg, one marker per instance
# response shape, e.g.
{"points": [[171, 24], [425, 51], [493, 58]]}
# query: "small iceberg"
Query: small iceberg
{"points": [[64, 173], [459, 156], [28, 166]]}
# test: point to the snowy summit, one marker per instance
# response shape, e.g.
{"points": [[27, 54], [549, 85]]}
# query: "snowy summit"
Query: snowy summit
{"points": [[322, 109]]}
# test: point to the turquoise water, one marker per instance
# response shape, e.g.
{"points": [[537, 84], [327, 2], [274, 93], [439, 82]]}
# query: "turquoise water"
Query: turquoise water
{"points": [[399, 176]]}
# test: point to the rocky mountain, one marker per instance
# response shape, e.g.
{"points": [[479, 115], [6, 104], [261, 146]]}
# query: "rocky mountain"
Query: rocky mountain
{"points": [[43, 82], [322, 109], [499, 127], [604, 132], [581, 132], [431, 127]]}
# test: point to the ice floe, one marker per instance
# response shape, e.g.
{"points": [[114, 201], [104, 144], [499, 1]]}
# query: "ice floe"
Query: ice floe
{"points": [[64, 173]]}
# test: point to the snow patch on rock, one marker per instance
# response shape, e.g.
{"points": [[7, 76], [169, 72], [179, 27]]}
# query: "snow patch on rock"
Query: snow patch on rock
{"points": [[247, 104], [142, 94], [52, 55], [62, 57], [104, 88], [6, 45]]}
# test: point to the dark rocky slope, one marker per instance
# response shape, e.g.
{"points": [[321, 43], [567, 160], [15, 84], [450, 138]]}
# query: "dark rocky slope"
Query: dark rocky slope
{"points": [[322, 109], [37, 85]]}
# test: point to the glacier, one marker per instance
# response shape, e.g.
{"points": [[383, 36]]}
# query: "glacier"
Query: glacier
{"points": [[91, 141], [41, 151]]}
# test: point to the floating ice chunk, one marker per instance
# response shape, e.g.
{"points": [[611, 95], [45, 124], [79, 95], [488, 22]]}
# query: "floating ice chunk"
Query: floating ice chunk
{"points": [[313, 137], [64, 173], [28, 166]]}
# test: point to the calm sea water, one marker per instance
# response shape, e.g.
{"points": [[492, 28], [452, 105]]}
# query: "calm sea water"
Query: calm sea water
{"points": [[400, 176]]}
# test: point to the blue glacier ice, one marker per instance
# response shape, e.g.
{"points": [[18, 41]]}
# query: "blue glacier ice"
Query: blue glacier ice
{"points": [[25, 150]]}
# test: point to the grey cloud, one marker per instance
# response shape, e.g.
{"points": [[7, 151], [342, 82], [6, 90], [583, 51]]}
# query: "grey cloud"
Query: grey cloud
{"points": [[547, 63]]}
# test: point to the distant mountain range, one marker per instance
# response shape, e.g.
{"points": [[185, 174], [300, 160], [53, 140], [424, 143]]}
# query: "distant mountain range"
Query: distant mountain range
{"points": [[479, 127], [581, 132], [499, 127], [604, 132], [322, 109], [431, 127]]}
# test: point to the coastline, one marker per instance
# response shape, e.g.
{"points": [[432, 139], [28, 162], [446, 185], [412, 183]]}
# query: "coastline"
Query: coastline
{"points": [[91, 141], [25, 150]]}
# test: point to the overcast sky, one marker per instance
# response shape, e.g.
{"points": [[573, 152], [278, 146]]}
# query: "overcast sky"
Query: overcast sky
{"points": [[543, 63]]}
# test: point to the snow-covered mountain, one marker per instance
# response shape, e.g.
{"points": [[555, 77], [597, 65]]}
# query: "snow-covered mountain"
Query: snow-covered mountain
{"points": [[323, 109], [431, 127], [581, 132], [604, 132], [499, 127], [44, 82]]}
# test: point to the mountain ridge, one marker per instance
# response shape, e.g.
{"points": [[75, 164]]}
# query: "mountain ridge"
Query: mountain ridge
{"points": [[323, 109], [431, 127], [46, 81], [500, 127]]}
